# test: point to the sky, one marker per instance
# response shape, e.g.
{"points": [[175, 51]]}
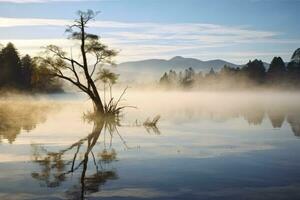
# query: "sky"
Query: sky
{"points": [[233, 30]]}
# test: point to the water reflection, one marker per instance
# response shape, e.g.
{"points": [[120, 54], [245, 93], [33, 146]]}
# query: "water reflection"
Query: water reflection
{"points": [[254, 113], [17, 116], [294, 121], [151, 125], [77, 158], [277, 118]]}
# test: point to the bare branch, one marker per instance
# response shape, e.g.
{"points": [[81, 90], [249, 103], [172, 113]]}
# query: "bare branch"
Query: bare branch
{"points": [[59, 63], [58, 52]]}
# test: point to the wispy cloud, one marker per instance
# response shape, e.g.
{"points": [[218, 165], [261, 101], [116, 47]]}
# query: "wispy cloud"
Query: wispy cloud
{"points": [[204, 33], [146, 40], [14, 22]]}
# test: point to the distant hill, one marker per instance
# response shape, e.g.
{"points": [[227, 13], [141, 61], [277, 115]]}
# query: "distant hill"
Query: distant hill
{"points": [[153, 68], [177, 62]]}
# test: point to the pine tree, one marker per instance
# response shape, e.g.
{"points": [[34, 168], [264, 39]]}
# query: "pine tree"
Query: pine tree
{"points": [[11, 68]]}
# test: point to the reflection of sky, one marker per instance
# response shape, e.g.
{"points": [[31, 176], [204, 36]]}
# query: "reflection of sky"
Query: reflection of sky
{"points": [[199, 127], [209, 153], [270, 173]]}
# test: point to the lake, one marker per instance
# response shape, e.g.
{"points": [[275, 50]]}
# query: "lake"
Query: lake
{"points": [[206, 145]]}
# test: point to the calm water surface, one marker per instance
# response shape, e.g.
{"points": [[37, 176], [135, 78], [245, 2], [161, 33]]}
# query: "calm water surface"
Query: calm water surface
{"points": [[206, 146]]}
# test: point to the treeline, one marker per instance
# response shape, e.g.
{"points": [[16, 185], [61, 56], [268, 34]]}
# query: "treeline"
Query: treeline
{"points": [[22, 73], [253, 74]]}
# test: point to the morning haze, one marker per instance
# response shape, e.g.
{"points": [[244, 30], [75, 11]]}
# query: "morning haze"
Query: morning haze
{"points": [[149, 99]]}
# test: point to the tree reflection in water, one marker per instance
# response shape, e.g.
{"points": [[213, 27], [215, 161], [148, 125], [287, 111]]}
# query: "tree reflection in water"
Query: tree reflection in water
{"points": [[17, 116], [294, 121], [254, 113], [77, 159], [56, 166]]}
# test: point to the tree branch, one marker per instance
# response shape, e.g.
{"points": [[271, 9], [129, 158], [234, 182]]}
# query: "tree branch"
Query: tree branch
{"points": [[64, 57]]}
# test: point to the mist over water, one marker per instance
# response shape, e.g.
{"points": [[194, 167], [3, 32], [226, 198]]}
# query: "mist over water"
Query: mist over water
{"points": [[60, 119], [210, 104], [204, 141], [130, 101]]}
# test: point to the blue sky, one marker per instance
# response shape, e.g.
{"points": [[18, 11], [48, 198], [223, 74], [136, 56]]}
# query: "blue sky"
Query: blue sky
{"points": [[233, 30]]}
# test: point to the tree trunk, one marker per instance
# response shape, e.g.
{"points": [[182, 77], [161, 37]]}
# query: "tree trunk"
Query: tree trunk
{"points": [[98, 126], [110, 86], [98, 106], [104, 94]]}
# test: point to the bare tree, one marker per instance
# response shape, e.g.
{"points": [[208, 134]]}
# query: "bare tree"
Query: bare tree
{"points": [[79, 72]]}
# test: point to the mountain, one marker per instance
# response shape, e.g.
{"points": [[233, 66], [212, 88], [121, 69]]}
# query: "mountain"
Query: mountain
{"points": [[176, 63], [154, 68]]}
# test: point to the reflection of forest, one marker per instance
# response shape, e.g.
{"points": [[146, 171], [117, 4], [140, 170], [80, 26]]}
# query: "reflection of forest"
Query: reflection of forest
{"points": [[90, 159], [17, 116], [294, 121], [254, 113], [276, 117]]}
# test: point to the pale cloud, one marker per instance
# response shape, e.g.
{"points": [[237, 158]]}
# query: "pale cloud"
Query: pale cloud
{"points": [[14, 22], [195, 33], [129, 51], [151, 40], [35, 46]]}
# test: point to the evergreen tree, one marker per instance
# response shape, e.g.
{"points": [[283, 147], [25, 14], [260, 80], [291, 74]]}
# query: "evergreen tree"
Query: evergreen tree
{"points": [[189, 77], [10, 68], [277, 66], [276, 71], [23, 73], [27, 71], [255, 71], [211, 72], [164, 80], [293, 73]]}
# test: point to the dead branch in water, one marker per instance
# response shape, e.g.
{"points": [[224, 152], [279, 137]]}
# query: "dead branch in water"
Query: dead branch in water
{"points": [[153, 122]]}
